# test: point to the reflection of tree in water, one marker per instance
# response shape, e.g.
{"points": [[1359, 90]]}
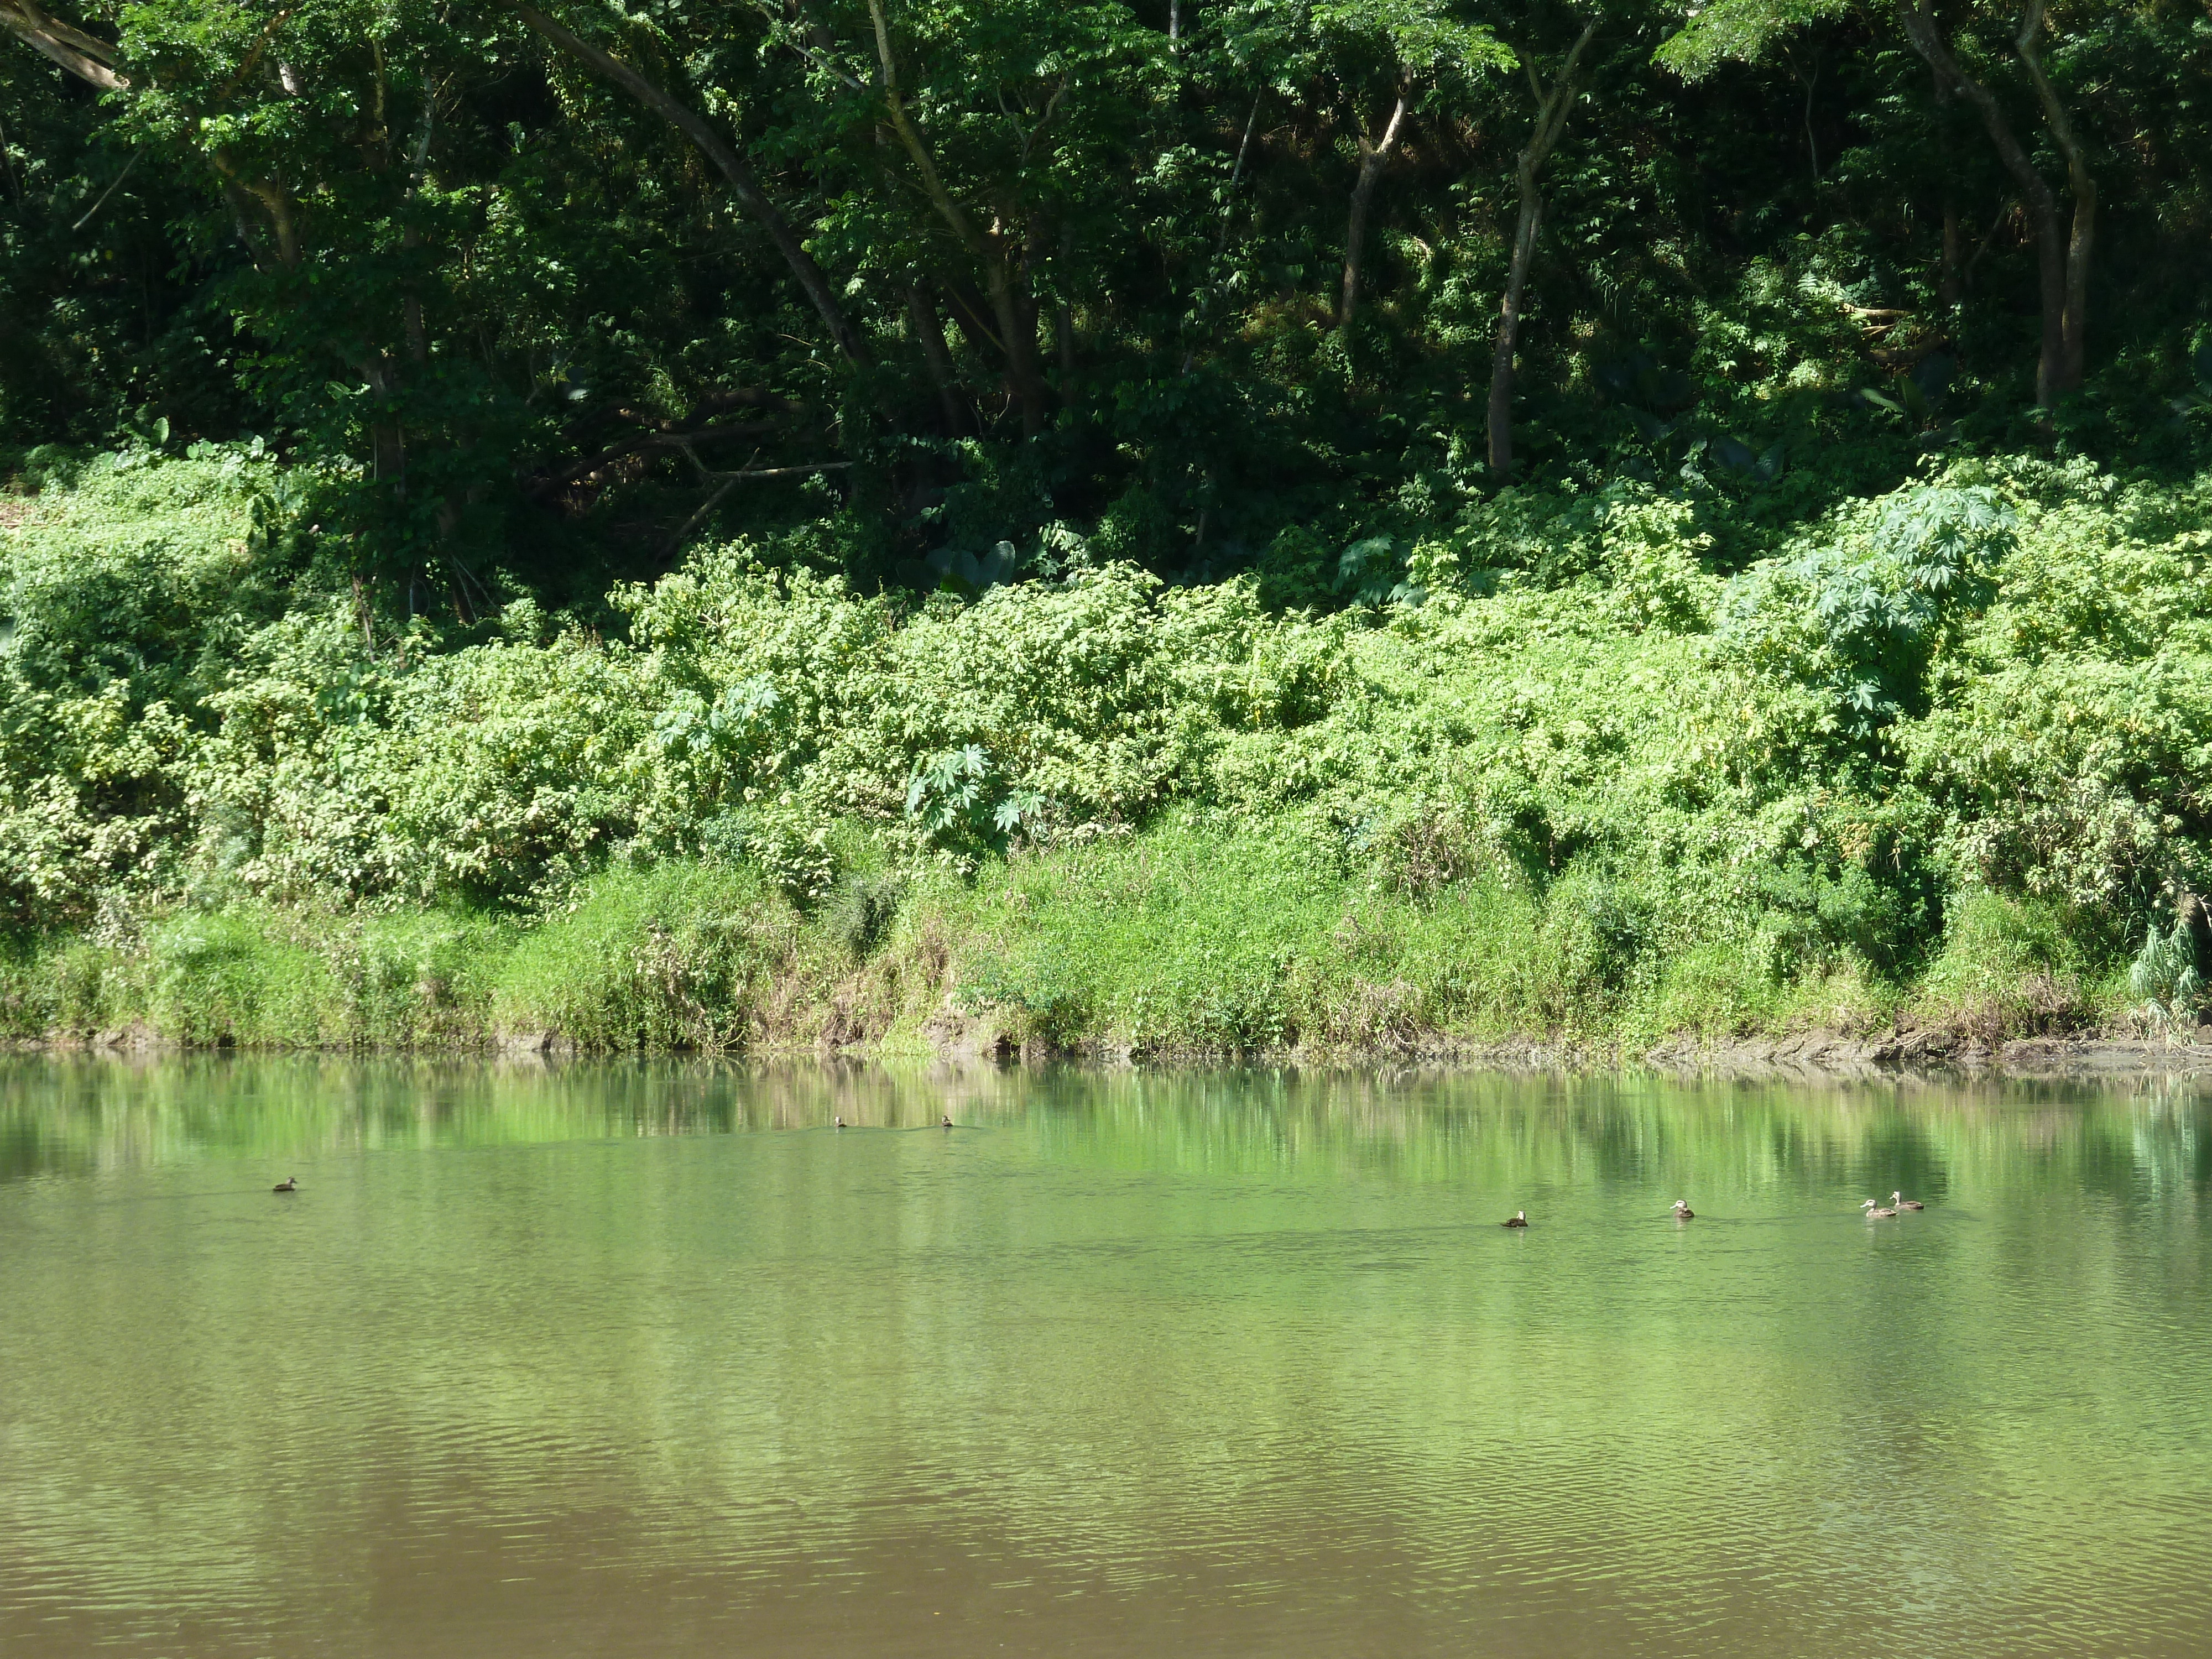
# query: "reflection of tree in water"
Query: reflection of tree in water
{"points": [[2129, 1143]]}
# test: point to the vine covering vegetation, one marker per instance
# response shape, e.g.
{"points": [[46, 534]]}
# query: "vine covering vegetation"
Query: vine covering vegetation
{"points": [[1186, 528]]}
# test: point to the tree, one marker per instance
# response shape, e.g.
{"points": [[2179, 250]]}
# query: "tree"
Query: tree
{"points": [[1419, 47], [1554, 103], [1962, 62], [727, 161], [2062, 254]]}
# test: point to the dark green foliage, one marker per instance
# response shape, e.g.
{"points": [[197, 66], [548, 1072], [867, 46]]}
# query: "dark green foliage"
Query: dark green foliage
{"points": [[532, 341]]}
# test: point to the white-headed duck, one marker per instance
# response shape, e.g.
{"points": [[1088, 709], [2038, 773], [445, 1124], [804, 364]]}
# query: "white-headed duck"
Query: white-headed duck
{"points": [[1683, 1212], [1899, 1201], [1518, 1218], [288, 1184], [944, 1122]]}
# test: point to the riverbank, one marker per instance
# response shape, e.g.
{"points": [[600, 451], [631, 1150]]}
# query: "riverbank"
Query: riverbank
{"points": [[1181, 943], [1920, 770]]}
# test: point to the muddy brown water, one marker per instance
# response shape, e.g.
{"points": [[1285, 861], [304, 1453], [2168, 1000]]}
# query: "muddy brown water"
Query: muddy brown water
{"points": [[633, 1360]]}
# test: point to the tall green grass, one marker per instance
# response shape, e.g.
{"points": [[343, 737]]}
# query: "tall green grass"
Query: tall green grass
{"points": [[680, 956], [1186, 940]]}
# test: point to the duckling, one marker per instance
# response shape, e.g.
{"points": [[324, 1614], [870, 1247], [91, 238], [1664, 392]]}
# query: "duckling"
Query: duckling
{"points": [[1683, 1212], [288, 1184], [1899, 1201], [944, 1122], [1875, 1212], [1520, 1218]]}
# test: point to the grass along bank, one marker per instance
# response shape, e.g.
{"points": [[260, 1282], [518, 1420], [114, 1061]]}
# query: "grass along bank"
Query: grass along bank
{"points": [[1181, 942]]}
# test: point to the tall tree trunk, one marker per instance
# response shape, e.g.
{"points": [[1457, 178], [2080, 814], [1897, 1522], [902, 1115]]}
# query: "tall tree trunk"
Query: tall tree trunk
{"points": [[1017, 331], [733, 167], [2062, 270], [1950, 281], [1372, 160], [1950, 286], [1500, 414], [1063, 313], [1552, 107]]}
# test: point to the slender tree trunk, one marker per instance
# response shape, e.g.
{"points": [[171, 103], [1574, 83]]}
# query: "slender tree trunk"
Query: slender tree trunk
{"points": [[1372, 160], [971, 315], [1950, 283], [929, 332], [1018, 330], [733, 167], [1552, 108], [1508, 328], [1949, 287], [2062, 270], [1063, 313], [1811, 140], [1810, 80]]}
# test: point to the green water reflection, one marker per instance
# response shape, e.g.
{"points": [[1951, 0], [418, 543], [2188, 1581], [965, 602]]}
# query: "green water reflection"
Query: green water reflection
{"points": [[632, 1359]]}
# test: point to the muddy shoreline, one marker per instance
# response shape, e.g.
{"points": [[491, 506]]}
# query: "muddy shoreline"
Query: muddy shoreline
{"points": [[1819, 1054]]}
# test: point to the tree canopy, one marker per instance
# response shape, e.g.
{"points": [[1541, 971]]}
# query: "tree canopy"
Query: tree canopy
{"points": [[544, 292]]}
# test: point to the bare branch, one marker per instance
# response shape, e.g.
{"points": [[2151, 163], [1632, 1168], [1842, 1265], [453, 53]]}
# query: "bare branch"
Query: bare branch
{"points": [[90, 59]]}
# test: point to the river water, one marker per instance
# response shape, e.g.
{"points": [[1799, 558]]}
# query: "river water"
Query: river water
{"points": [[628, 1360]]}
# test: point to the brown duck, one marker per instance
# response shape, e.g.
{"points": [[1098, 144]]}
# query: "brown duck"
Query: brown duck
{"points": [[288, 1184], [1683, 1212], [1899, 1201], [1518, 1218], [1875, 1212]]}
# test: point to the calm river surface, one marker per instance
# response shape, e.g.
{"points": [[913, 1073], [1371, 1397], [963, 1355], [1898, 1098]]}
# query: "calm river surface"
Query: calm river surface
{"points": [[633, 1361]]}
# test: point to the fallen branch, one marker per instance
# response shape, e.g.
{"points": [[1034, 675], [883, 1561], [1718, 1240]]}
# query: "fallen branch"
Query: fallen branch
{"points": [[730, 481], [581, 471]]}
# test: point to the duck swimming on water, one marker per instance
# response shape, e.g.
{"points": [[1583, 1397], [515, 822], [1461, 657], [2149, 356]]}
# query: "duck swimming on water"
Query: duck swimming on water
{"points": [[945, 1122], [288, 1184], [1519, 1218], [1875, 1212], [840, 1122], [1899, 1201], [1683, 1212]]}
